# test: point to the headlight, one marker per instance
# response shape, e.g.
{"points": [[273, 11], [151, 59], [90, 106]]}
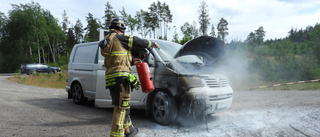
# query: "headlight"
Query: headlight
{"points": [[202, 97], [187, 82]]}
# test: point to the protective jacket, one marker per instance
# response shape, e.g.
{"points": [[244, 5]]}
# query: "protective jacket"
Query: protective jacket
{"points": [[117, 53]]}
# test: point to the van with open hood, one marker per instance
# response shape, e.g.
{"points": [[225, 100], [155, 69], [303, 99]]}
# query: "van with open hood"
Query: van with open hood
{"points": [[183, 76]]}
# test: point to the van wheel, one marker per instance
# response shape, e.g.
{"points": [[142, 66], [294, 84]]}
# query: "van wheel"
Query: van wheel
{"points": [[77, 94], [164, 108]]}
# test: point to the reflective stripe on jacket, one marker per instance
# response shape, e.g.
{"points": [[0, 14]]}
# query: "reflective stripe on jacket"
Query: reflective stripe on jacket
{"points": [[117, 57]]}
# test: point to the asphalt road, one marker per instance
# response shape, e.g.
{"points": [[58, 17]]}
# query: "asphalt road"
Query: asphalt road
{"points": [[32, 111]]}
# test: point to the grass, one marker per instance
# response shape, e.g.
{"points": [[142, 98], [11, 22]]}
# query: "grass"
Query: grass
{"points": [[57, 80], [241, 86], [303, 86]]}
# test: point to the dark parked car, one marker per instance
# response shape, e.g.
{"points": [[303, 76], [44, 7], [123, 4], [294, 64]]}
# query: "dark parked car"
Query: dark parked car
{"points": [[38, 68]]}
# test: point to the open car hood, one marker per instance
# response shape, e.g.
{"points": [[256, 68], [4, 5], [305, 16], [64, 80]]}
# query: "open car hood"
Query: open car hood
{"points": [[207, 47]]}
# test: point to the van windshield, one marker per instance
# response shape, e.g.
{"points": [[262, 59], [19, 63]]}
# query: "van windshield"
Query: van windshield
{"points": [[169, 49]]}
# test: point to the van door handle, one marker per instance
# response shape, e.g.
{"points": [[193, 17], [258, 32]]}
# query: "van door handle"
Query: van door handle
{"points": [[103, 66]]}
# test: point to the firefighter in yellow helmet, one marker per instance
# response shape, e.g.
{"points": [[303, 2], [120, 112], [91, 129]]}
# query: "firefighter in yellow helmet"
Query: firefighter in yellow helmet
{"points": [[116, 48]]}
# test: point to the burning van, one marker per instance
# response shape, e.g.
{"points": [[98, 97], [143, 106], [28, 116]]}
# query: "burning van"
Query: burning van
{"points": [[183, 77]]}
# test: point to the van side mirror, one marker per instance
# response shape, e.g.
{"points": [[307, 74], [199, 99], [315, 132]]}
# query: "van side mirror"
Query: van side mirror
{"points": [[150, 60]]}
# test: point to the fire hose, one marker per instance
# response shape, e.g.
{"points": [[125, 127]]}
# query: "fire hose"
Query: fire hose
{"points": [[283, 84]]}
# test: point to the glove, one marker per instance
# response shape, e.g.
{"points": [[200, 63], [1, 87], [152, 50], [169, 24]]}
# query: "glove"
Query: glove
{"points": [[103, 43], [134, 82]]}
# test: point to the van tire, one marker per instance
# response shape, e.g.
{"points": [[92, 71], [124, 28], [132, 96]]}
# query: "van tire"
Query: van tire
{"points": [[164, 108], [77, 94]]}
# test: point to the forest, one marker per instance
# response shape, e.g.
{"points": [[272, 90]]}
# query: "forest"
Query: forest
{"points": [[31, 34]]}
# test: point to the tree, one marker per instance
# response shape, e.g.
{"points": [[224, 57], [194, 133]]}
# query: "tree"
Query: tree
{"points": [[55, 36], [143, 24], [292, 35], [251, 38], [204, 19], [109, 14], [175, 36], [3, 22], [222, 29], [255, 38], [213, 31], [65, 22], [186, 29], [185, 39], [153, 17], [78, 30], [251, 41], [166, 17], [92, 28], [315, 42], [132, 23], [29, 32], [124, 15], [189, 30], [129, 21], [71, 40], [260, 33], [64, 25], [234, 44]]}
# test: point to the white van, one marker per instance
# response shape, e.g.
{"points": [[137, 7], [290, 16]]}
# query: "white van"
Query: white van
{"points": [[183, 83]]}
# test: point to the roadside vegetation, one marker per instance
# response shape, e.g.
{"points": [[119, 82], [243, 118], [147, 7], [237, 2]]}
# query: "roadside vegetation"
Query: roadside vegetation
{"points": [[51, 80], [304, 86], [57, 80]]}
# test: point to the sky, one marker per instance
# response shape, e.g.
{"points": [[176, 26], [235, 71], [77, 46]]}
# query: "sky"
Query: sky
{"points": [[277, 17]]}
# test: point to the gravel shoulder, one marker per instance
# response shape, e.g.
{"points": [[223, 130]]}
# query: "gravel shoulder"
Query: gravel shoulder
{"points": [[34, 111]]}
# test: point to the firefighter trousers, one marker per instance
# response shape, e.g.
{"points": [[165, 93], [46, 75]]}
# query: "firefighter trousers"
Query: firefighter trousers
{"points": [[121, 121]]}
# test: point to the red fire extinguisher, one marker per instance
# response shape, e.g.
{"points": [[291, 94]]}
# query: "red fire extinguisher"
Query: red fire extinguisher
{"points": [[145, 77]]}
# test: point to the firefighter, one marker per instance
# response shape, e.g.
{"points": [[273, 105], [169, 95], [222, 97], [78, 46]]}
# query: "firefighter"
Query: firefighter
{"points": [[116, 48]]}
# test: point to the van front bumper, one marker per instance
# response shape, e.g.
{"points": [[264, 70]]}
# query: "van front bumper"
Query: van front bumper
{"points": [[209, 100]]}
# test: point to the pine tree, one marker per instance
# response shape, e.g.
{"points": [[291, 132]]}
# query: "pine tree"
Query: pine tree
{"points": [[92, 28], [213, 31], [71, 40], [109, 14], [260, 34], [204, 19], [124, 16], [222, 29], [78, 30], [65, 22]]}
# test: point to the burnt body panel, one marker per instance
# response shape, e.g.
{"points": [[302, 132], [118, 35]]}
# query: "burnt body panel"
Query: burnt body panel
{"points": [[194, 87]]}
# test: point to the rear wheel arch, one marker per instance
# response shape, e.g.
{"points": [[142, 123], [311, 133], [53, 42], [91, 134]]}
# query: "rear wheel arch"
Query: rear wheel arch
{"points": [[71, 86], [77, 94]]}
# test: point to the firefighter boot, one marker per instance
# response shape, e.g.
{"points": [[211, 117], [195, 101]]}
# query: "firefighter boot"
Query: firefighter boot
{"points": [[133, 133]]}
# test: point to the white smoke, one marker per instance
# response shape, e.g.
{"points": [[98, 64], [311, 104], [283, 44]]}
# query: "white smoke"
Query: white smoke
{"points": [[235, 66]]}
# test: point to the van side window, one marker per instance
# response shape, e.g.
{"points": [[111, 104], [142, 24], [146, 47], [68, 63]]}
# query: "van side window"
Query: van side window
{"points": [[85, 54]]}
